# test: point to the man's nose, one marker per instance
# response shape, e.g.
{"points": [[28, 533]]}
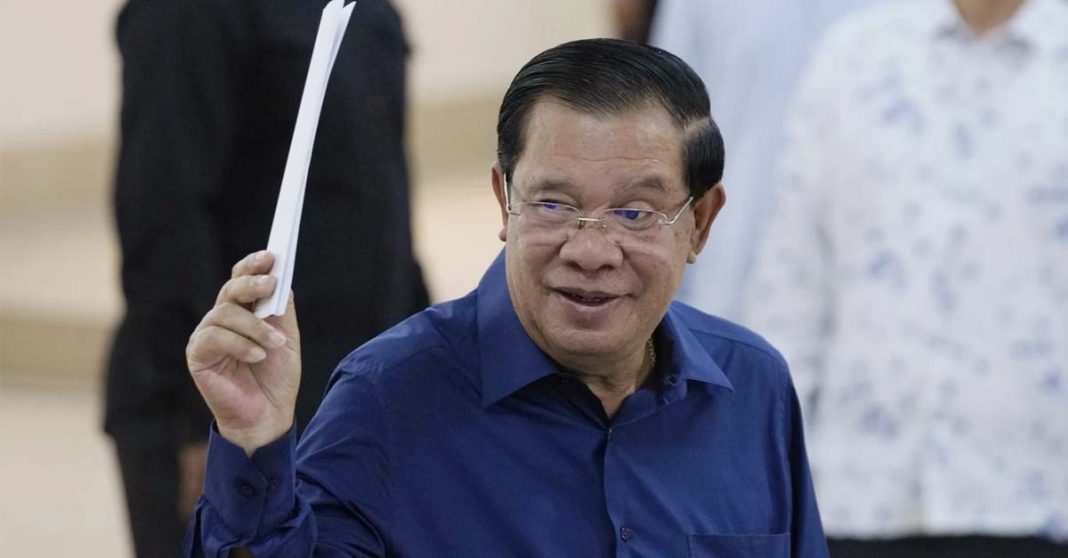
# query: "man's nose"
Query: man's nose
{"points": [[590, 247]]}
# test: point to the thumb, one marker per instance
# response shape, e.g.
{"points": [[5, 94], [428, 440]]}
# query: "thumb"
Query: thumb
{"points": [[287, 322]]}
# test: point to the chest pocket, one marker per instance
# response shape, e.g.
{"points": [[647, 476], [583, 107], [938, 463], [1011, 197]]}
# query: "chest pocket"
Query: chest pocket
{"points": [[739, 546]]}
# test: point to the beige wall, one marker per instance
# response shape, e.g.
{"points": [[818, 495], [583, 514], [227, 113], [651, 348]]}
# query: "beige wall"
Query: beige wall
{"points": [[474, 47], [59, 98], [60, 63], [59, 70], [58, 111]]}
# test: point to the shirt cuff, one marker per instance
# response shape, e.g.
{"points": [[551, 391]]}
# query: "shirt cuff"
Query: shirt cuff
{"points": [[251, 494]]}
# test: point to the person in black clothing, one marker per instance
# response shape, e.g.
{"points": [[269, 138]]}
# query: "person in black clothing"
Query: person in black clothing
{"points": [[210, 96]]}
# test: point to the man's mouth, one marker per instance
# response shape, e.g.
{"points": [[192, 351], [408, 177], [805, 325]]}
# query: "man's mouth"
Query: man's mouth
{"points": [[587, 298]]}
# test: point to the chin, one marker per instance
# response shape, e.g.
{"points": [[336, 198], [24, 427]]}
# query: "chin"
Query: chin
{"points": [[583, 343]]}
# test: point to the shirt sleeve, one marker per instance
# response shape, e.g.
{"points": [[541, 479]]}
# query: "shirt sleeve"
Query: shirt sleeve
{"points": [[790, 299], [327, 498], [807, 539]]}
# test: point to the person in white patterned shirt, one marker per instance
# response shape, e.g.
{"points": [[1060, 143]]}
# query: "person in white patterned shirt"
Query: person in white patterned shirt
{"points": [[915, 276]]}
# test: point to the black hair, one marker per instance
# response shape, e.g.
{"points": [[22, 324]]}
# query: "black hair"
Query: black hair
{"points": [[610, 77]]}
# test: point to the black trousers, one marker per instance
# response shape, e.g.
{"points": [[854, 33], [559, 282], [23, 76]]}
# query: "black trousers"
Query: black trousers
{"points": [[948, 547], [148, 461]]}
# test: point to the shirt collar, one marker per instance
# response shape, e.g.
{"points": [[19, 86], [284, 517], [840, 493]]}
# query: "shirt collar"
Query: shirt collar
{"points": [[509, 359], [687, 358], [944, 18]]}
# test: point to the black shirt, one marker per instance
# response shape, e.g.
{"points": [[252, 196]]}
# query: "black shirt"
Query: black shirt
{"points": [[210, 96]]}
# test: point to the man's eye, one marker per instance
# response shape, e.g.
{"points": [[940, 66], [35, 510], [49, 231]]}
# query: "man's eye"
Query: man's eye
{"points": [[552, 207], [631, 214]]}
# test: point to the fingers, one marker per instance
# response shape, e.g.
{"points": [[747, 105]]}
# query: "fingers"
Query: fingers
{"points": [[287, 322], [229, 330], [246, 289], [240, 321], [211, 344], [256, 263]]}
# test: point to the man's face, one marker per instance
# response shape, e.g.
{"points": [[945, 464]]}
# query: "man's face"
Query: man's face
{"points": [[589, 296]]}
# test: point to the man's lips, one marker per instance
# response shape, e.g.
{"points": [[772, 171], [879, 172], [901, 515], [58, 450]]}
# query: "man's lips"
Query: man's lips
{"points": [[586, 297]]}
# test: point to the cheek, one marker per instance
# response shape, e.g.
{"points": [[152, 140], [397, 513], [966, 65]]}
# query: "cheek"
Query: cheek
{"points": [[530, 261], [658, 269], [660, 272], [533, 256]]}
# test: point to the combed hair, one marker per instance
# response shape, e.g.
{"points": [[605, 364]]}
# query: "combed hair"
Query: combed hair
{"points": [[607, 77]]}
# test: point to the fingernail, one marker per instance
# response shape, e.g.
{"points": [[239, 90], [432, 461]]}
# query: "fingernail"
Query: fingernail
{"points": [[256, 354], [276, 338], [258, 256], [263, 279]]}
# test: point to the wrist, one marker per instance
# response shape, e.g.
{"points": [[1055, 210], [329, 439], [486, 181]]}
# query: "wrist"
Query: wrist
{"points": [[254, 438]]}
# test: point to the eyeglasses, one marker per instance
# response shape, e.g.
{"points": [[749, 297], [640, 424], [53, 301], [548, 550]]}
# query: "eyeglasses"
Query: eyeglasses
{"points": [[627, 221]]}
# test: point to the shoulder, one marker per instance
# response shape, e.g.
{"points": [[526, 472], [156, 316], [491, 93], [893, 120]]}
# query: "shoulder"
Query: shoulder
{"points": [[743, 355], [860, 47], [421, 348]]}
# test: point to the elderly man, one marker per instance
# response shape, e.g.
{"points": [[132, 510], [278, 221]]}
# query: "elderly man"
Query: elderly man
{"points": [[566, 407]]}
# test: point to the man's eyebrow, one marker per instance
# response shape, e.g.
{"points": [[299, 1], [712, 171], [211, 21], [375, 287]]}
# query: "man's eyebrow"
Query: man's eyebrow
{"points": [[647, 183], [654, 182], [553, 185]]}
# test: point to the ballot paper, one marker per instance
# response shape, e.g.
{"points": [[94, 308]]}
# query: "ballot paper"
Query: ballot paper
{"points": [[286, 225]]}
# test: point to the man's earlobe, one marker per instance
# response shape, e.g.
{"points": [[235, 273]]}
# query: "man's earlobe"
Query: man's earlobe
{"points": [[497, 181]]}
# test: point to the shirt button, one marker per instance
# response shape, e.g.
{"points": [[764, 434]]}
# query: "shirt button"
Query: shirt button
{"points": [[272, 485], [626, 533], [608, 434], [247, 491]]}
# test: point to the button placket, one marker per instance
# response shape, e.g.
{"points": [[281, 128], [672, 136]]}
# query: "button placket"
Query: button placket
{"points": [[614, 493]]}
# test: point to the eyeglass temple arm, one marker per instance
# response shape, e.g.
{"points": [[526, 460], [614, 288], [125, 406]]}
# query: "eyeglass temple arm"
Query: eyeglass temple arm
{"points": [[507, 196]]}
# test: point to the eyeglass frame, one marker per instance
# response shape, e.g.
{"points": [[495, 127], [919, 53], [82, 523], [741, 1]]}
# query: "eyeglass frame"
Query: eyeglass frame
{"points": [[582, 220]]}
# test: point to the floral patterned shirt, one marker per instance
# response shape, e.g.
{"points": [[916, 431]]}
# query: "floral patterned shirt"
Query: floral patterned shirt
{"points": [[915, 272]]}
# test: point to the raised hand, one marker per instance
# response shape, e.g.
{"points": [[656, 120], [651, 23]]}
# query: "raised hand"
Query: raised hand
{"points": [[247, 369]]}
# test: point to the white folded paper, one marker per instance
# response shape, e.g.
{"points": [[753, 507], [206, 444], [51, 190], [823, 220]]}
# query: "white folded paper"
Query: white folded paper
{"points": [[286, 225]]}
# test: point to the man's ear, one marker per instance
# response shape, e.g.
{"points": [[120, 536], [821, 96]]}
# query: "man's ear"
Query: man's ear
{"points": [[497, 177], [705, 211]]}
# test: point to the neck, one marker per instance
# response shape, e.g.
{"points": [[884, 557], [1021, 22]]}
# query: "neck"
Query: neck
{"points": [[614, 382], [983, 15]]}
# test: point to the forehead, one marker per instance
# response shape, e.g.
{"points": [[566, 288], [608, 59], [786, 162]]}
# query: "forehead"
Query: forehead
{"points": [[564, 145]]}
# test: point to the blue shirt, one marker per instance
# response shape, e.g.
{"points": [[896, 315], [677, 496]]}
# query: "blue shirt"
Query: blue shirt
{"points": [[453, 435]]}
